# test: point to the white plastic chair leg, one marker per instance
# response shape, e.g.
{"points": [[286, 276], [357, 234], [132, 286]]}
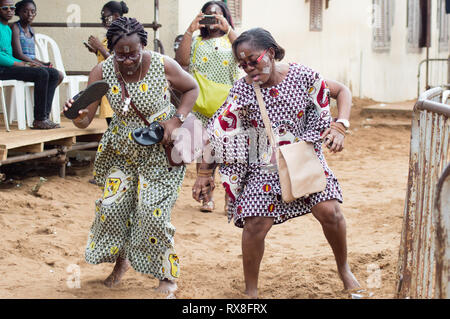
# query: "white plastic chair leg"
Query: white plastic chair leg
{"points": [[5, 113], [17, 105], [56, 111], [29, 97], [73, 87], [20, 105]]}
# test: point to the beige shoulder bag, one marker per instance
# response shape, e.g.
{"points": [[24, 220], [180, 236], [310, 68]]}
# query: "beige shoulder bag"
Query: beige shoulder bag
{"points": [[299, 168]]}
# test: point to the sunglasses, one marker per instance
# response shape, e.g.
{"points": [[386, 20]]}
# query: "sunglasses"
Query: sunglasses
{"points": [[253, 64], [5, 8], [122, 58], [106, 18]]}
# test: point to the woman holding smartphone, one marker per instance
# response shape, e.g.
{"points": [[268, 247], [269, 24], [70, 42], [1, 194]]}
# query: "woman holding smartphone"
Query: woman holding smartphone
{"points": [[111, 11], [210, 54]]}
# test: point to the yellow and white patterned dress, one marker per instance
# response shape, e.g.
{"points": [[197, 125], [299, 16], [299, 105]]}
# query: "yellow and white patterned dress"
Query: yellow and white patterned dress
{"points": [[133, 217], [215, 60]]}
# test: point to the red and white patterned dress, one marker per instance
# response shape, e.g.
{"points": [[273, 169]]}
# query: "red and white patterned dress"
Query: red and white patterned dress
{"points": [[298, 109]]}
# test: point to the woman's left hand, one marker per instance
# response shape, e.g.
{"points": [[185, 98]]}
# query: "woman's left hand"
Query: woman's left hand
{"points": [[169, 126], [333, 139], [223, 23]]}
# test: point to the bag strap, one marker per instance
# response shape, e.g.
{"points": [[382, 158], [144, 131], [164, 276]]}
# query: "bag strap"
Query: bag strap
{"points": [[264, 115], [197, 42], [125, 93]]}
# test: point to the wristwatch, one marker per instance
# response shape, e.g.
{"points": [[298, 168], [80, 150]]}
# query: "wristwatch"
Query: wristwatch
{"points": [[181, 117], [344, 122]]}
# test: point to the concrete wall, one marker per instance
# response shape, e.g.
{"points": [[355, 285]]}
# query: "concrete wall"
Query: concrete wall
{"points": [[70, 40]]}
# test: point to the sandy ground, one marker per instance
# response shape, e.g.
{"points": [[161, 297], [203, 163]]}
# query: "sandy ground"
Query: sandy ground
{"points": [[43, 237]]}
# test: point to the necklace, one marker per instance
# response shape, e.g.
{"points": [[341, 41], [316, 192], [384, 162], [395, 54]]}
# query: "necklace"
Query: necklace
{"points": [[127, 100]]}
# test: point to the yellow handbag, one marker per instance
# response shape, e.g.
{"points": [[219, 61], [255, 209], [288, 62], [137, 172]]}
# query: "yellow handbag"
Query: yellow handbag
{"points": [[212, 95]]}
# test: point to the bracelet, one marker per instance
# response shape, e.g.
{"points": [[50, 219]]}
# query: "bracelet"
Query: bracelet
{"points": [[188, 32], [205, 172], [229, 30]]}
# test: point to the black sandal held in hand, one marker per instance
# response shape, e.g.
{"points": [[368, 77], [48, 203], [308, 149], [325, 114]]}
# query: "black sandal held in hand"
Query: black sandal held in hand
{"points": [[92, 93], [148, 135]]}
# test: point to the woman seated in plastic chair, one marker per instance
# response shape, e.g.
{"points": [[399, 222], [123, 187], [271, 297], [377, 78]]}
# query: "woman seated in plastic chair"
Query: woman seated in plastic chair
{"points": [[45, 79], [111, 11], [23, 41]]}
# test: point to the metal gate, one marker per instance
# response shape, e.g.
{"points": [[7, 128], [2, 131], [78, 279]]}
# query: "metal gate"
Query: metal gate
{"points": [[436, 74], [429, 157]]}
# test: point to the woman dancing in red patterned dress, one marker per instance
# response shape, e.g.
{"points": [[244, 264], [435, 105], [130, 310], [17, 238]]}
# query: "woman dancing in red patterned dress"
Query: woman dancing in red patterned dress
{"points": [[297, 103]]}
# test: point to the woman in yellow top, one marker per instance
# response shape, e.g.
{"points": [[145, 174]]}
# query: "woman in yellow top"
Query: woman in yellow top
{"points": [[110, 12], [210, 54]]}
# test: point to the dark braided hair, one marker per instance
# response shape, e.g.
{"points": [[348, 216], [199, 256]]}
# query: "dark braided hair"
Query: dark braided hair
{"points": [[204, 32], [261, 39], [125, 26], [19, 5]]}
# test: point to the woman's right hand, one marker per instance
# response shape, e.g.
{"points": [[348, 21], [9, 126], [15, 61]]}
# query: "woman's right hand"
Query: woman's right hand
{"points": [[195, 25], [95, 43]]}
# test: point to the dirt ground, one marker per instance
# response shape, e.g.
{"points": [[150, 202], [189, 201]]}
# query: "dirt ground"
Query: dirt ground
{"points": [[44, 237]]}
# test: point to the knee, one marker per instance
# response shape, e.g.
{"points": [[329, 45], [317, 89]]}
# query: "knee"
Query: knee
{"points": [[257, 227], [42, 74], [328, 213]]}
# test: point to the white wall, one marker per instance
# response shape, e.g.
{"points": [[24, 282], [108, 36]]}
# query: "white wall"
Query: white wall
{"points": [[188, 9], [343, 49]]}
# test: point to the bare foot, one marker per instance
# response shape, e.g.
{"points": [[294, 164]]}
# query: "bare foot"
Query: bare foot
{"points": [[348, 279], [120, 268], [168, 287], [252, 293]]}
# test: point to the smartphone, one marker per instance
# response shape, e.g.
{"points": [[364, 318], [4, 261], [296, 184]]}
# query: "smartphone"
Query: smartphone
{"points": [[208, 19], [88, 46]]}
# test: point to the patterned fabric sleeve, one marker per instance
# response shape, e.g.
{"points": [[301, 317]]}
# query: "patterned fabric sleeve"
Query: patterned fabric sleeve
{"points": [[228, 135], [318, 116], [191, 54]]}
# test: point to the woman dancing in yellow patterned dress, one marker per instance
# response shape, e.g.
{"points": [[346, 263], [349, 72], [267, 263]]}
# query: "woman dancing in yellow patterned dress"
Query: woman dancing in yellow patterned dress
{"points": [[132, 220]]}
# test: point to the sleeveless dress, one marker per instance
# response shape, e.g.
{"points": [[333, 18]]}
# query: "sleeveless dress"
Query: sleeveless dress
{"points": [[298, 109], [133, 217], [27, 43], [215, 60]]}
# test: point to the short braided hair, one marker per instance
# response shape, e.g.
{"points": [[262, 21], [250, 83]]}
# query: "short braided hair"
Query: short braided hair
{"points": [[125, 26], [19, 5]]}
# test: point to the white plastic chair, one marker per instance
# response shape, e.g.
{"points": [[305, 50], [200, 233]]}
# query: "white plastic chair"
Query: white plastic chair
{"points": [[41, 54], [16, 107], [44, 44]]}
